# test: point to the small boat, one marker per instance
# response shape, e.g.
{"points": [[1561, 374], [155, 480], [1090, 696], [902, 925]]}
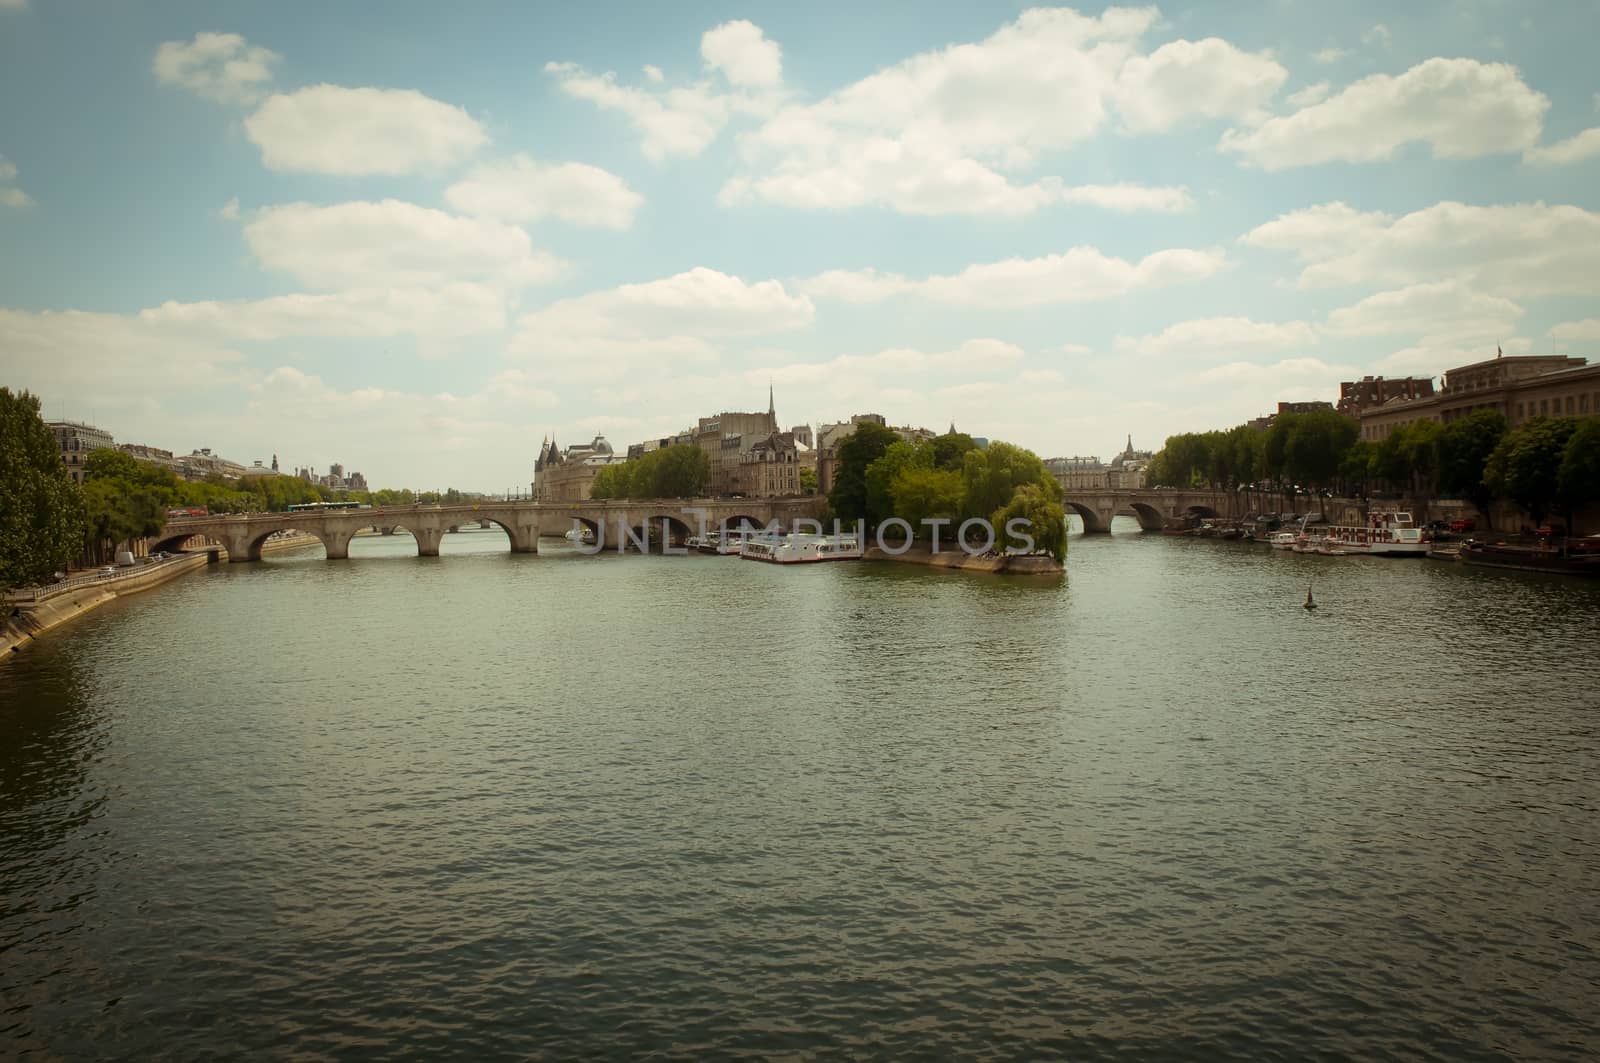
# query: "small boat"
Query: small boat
{"points": [[800, 548], [732, 542], [1571, 557], [580, 535], [1283, 540]]}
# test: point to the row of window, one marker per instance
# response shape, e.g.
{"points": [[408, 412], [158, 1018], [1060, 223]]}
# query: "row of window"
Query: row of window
{"points": [[1576, 406]]}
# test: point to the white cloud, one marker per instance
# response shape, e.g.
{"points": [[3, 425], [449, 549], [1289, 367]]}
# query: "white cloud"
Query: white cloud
{"points": [[1522, 249], [1460, 108], [229, 211], [1328, 55], [346, 132], [393, 244], [653, 73], [1377, 35], [1309, 95], [1434, 359], [677, 123], [743, 54], [1442, 314], [1576, 148], [1082, 274], [452, 310], [1209, 78], [523, 190], [674, 316], [1218, 335], [8, 169], [1587, 330], [943, 132], [1129, 197], [13, 5], [1278, 374], [218, 66]]}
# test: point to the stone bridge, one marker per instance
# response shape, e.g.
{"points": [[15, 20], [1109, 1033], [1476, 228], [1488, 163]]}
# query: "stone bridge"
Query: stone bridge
{"points": [[1151, 507], [633, 523]]}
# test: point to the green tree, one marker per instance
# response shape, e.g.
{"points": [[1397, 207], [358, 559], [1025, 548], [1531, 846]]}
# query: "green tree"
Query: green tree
{"points": [[41, 509], [1578, 480], [848, 495], [679, 471], [1526, 465], [1464, 449], [921, 493], [950, 450], [1357, 470], [993, 475], [808, 481], [1315, 445], [1046, 521], [881, 475]]}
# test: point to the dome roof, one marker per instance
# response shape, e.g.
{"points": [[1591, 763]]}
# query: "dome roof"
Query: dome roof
{"points": [[600, 446]]}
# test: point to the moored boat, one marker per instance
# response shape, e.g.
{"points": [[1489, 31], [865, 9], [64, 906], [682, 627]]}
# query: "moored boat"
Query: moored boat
{"points": [[1283, 540], [801, 548], [1572, 557]]}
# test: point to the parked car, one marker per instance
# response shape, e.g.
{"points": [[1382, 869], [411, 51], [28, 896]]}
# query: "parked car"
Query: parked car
{"points": [[109, 570]]}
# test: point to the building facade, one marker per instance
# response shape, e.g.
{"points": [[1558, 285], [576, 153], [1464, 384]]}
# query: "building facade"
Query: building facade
{"points": [[568, 476], [1370, 391], [77, 441], [1519, 388], [771, 468]]}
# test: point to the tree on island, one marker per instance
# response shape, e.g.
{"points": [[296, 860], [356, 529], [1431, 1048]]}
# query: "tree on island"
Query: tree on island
{"points": [[995, 473], [847, 498], [41, 509], [1046, 521], [1526, 465]]}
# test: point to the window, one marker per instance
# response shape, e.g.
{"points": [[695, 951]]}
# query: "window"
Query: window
{"points": [[1583, 403], [1544, 407], [1519, 411], [1570, 410]]}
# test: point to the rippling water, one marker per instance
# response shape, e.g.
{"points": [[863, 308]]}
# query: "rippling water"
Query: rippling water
{"points": [[556, 806]]}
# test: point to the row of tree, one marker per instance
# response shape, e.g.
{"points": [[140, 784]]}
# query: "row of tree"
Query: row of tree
{"points": [[879, 476], [1548, 464], [679, 471]]}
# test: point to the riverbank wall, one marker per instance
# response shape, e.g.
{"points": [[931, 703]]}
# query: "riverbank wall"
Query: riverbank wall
{"points": [[26, 621], [960, 560]]}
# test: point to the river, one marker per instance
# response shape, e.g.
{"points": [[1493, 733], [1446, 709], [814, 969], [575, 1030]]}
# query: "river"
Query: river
{"points": [[486, 805]]}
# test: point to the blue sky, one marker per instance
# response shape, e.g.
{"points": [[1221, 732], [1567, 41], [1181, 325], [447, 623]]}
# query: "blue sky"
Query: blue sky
{"points": [[415, 241]]}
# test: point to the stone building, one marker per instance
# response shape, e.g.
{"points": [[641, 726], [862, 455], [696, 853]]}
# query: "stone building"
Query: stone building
{"points": [[1315, 406], [77, 441], [1520, 388], [771, 467], [1370, 391], [151, 455], [1125, 471], [198, 464], [568, 476], [726, 437]]}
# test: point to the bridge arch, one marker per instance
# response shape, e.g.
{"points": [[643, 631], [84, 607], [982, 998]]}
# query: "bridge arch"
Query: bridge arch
{"points": [[1200, 510], [1149, 517], [1092, 522]]}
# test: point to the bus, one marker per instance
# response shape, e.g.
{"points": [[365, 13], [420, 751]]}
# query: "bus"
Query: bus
{"points": [[189, 511], [320, 507]]}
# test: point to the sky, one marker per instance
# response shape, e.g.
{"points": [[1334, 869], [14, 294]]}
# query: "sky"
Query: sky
{"points": [[419, 240]]}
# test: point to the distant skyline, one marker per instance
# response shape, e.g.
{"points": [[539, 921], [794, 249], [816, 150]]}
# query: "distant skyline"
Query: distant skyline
{"points": [[417, 241]]}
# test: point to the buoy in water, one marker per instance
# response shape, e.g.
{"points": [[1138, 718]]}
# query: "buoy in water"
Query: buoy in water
{"points": [[1311, 603]]}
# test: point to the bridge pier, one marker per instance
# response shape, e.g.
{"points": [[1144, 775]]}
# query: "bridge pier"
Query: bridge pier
{"points": [[337, 544], [427, 541]]}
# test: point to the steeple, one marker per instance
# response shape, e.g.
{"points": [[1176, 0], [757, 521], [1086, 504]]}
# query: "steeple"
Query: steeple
{"points": [[274, 463]]}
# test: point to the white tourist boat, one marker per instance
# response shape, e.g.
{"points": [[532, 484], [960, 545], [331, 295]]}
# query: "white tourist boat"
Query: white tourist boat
{"points": [[732, 541], [1387, 532], [800, 548], [1283, 540]]}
